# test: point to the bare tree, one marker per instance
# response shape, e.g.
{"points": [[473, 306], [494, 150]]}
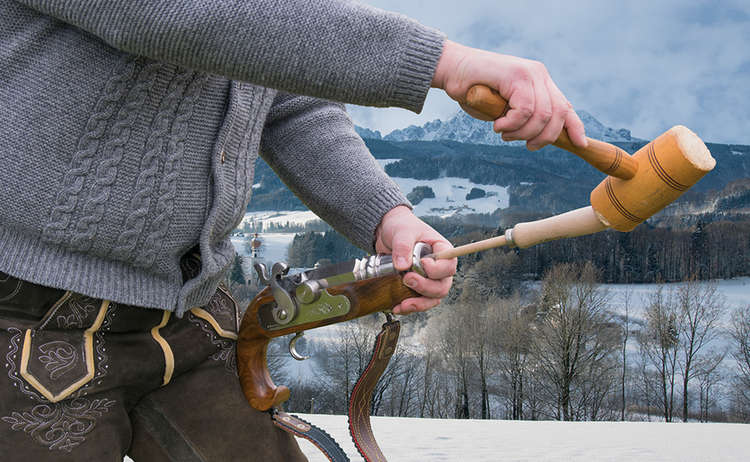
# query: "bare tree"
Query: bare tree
{"points": [[659, 341], [454, 338], [512, 345], [573, 342], [740, 332], [709, 376], [626, 297], [699, 309]]}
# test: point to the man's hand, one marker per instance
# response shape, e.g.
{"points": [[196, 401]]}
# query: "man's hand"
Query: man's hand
{"points": [[538, 111], [397, 233]]}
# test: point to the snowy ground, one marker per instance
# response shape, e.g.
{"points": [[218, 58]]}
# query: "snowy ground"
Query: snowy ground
{"points": [[280, 218], [736, 292], [403, 439], [450, 195], [434, 440]]}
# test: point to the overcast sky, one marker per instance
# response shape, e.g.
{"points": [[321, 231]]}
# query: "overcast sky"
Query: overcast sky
{"points": [[645, 65]]}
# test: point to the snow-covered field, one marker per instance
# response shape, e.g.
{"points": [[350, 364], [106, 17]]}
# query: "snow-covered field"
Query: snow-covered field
{"points": [[736, 292], [403, 439], [279, 218], [434, 440], [450, 195]]}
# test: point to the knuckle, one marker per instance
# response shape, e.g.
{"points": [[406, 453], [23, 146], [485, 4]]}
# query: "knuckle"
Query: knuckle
{"points": [[539, 67], [525, 111], [545, 115]]}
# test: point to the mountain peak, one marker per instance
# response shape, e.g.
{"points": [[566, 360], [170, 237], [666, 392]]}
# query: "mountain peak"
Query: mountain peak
{"points": [[466, 129]]}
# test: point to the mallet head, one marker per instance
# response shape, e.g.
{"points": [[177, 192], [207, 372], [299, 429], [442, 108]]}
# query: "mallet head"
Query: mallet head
{"points": [[667, 167]]}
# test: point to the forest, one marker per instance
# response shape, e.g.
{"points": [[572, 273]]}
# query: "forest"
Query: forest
{"points": [[496, 349]]}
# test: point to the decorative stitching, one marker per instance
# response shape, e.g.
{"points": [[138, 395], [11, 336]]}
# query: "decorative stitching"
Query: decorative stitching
{"points": [[60, 426], [227, 352], [106, 172], [10, 364], [140, 203], [74, 178], [168, 188], [88, 343]]}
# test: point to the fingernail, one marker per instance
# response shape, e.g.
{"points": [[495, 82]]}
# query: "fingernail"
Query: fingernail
{"points": [[401, 261], [410, 282]]}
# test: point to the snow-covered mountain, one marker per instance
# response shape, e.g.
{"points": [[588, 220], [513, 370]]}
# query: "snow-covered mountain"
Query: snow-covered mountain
{"points": [[466, 129]]}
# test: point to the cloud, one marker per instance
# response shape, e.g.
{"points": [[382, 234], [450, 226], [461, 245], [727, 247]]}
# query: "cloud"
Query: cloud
{"points": [[641, 64]]}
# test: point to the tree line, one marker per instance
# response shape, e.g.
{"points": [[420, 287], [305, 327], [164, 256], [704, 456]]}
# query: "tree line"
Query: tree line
{"points": [[567, 354]]}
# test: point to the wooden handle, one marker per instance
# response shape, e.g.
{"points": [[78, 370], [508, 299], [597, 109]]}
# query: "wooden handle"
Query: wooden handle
{"points": [[366, 297], [569, 224], [605, 157], [575, 223]]}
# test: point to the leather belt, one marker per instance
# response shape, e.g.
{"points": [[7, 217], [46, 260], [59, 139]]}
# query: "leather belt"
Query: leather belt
{"points": [[359, 405]]}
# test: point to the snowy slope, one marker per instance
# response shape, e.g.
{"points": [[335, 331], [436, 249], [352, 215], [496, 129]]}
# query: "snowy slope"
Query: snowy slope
{"points": [[403, 439], [433, 440], [450, 195]]}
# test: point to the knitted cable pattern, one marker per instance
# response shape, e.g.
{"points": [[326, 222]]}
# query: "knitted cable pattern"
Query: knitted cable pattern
{"points": [[168, 188], [73, 180], [135, 222], [106, 172]]}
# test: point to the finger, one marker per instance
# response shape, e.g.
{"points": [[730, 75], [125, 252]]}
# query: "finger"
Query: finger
{"points": [[434, 288], [575, 128], [539, 119], [550, 132], [439, 269], [413, 305], [402, 247], [521, 103]]}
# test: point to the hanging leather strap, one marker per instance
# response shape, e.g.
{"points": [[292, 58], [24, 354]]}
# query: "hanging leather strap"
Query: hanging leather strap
{"points": [[318, 437], [361, 399], [359, 405]]}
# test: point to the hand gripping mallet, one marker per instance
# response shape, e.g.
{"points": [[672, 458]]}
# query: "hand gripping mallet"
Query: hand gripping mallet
{"points": [[662, 170]]}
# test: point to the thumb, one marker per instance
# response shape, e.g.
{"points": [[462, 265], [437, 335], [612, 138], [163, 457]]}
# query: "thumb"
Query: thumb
{"points": [[402, 246]]}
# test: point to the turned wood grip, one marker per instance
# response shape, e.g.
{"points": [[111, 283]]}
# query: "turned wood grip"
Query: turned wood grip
{"points": [[605, 157], [575, 223], [366, 297]]}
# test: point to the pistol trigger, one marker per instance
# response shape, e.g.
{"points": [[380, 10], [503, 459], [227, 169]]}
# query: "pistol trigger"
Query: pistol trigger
{"points": [[293, 347]]}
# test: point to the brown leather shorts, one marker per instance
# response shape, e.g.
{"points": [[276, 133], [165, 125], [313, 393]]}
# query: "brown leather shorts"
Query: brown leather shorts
{"points": [[89, 379]]}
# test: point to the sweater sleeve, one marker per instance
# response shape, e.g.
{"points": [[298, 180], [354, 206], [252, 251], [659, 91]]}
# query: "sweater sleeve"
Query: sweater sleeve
{"points": [[333, 49], [311, 144]]}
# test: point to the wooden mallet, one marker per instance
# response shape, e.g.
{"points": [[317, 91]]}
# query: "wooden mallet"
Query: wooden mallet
{"points": [[638, 186]]}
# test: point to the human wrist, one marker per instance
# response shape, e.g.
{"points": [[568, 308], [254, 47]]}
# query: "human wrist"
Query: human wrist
{"points": [[395, 213], [447, 63]]}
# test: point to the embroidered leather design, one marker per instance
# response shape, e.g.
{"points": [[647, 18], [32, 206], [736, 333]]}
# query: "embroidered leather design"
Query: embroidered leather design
{"points": [[218, 322], [58, 357], [55, 365], [9, 287], [11, 359], [60, 426], [79, 312]]}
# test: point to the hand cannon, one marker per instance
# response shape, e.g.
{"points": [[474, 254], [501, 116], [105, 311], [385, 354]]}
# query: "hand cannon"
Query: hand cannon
{"points": [[639, 187]]}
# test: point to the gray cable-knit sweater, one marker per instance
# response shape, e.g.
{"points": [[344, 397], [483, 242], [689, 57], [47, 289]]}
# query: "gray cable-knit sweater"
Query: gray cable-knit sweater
{"points": [[129, 131]]}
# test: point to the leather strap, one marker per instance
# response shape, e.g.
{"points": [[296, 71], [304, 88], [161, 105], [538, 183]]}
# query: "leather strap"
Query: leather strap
{"points": [[318, 437], [359, 406], [361, 399]]}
